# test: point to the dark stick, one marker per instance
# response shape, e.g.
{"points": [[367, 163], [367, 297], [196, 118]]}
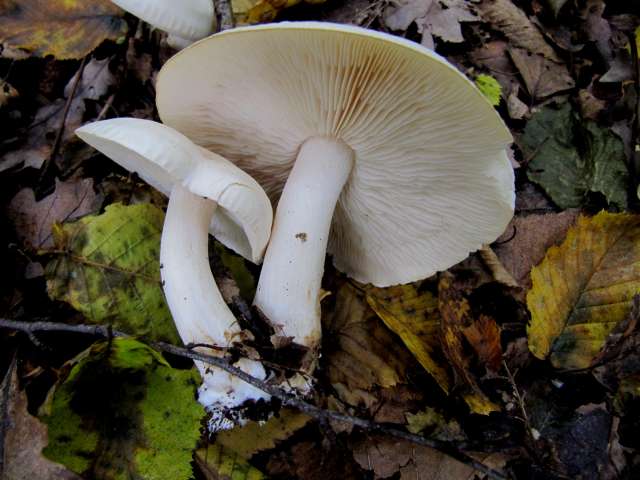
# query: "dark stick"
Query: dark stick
{"points": [[287, 399], [49, 164]]}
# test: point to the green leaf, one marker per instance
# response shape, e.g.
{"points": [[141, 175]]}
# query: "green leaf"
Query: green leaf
{"points": [[124, 413], [490, 88], [570, 159], [107, 267]]}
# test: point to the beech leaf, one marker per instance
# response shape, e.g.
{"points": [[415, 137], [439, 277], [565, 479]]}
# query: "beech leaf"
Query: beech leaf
{"points": [[584, 288]]}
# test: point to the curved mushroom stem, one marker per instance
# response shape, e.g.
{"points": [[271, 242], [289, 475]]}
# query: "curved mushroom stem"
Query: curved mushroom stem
{"points": [[199, 311], [288, 291]]}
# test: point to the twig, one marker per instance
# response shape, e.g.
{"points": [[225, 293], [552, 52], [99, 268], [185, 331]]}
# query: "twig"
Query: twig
{"points": [[225, 15], [49, 164], [287, 399]]}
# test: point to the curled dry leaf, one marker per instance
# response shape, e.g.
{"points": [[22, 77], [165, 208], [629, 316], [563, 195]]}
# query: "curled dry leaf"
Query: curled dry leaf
{"points": [[24, 438], [508, 19], [584, 288], [66, 29], [362, 354], [33, 220], [460, 329]]}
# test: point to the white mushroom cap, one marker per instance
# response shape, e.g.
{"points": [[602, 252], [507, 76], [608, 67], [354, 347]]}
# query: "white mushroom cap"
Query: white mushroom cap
{"points": [[185, 20], [431, 181], [164, 157]]}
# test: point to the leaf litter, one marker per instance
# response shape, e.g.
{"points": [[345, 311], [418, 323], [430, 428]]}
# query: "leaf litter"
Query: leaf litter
{"points": [[527, 357]]}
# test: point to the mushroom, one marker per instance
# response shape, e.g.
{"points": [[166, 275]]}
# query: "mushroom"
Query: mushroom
{"points": [[206, 192], [186, 21], [385, 155]]}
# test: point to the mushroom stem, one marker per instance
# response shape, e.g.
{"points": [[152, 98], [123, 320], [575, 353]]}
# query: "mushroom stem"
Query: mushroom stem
{"points": [[200, 313], [288, 291]]}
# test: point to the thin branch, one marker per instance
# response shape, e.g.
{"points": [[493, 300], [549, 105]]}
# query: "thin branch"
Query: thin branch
{"points": [[49, 164], [287, 399]]}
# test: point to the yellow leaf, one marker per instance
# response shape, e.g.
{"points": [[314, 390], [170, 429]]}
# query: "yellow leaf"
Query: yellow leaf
{"points": [[253, 437], [65, 29], [217, 462], [414, 317], [262, 11], [583, 288]]}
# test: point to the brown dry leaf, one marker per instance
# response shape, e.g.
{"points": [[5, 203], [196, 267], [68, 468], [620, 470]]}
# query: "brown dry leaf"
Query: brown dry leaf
{"points": [[532, 236], [508, 19], [253, 437], [541, 76], [33, 220], [415, 318], [456, 319], [386, 457], [66, 29], [440, 18], [584, 288], [494, 58], [25, 437], [95, 82], [361, 353], [305, 460]]}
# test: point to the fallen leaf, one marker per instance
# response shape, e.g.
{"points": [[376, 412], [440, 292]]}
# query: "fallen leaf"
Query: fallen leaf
{"points": [[584, 288], [493, 263], [247, 12], [493, 57], [570, 158], [360, 353], [253, 437], [415, 318], [123, 412], [24, 438], [107, 267], [93, 85], [386, 457], [490, 88], [434, 425], [33, 220], [509, 20], [542, 77], [219, 463], [457, 318], [66, 29], [440, 18], [527, 239], [306, 461]]}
